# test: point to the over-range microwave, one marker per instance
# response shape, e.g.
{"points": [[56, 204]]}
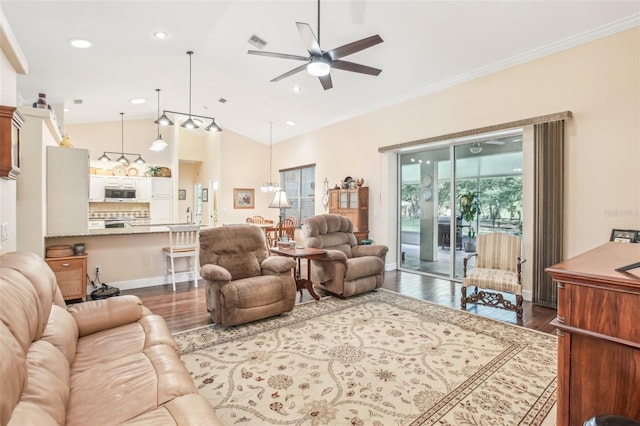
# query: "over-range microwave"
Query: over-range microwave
{"points": [[119, 194]]}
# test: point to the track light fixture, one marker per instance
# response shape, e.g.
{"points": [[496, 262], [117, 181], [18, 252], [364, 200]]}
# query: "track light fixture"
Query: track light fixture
{"points": [[163, 120], [122, 159]]}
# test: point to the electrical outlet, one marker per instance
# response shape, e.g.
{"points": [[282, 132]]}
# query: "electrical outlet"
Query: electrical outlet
{"points": [[97, 269]]}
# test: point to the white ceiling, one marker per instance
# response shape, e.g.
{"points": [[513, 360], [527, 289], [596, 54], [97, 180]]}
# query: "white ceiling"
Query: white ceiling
{"points": [[427, 45]]}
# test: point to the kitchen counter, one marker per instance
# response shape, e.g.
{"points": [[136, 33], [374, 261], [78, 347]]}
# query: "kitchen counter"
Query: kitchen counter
{"points": [[134, 227]]}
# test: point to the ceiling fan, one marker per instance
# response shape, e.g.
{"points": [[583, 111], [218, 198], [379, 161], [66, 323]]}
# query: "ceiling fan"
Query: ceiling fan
{"points": [[319, 62]]}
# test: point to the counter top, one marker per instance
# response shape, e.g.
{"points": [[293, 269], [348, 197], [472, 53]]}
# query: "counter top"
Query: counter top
{"points": [[130, 230]]}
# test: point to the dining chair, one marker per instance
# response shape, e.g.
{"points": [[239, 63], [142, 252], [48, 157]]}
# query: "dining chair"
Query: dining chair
{"points": [[183, 243]]}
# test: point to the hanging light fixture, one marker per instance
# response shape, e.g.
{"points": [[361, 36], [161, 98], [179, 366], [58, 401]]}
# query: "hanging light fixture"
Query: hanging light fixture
{"points": [[270, 186], [159, 144], [122, 159], [189, 124], [163, 120]]}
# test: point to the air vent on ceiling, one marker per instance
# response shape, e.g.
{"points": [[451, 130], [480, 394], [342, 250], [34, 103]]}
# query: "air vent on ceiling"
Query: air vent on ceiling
{"points": [[257, 42], [222, 100], [78, 101]]}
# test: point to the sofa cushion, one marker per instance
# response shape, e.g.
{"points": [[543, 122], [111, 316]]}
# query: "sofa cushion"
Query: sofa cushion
{"points": [[133, 384], [62, 332], [187, 409]]}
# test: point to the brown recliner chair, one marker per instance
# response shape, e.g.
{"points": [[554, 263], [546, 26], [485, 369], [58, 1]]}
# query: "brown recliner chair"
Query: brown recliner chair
{"points": [[348, 268], [244, 283]]}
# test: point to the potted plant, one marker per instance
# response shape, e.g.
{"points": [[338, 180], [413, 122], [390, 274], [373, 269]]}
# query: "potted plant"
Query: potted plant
{"points": [[153, 171], [469, 210]]}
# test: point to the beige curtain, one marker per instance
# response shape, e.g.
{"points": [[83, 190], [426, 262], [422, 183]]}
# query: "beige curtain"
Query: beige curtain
{"points": [[548, 209]]}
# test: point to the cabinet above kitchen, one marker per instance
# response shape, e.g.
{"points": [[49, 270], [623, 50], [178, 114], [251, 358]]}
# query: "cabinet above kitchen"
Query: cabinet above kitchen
{"points": [[119, 189]]}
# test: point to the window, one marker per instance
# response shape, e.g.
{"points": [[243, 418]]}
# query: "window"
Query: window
{"points": [[300, 185]]}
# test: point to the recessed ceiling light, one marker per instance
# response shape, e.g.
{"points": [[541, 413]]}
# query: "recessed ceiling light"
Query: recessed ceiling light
{"points": [[138, 101], [67, 110], [80, 43], [160, 35], [290, 122], [296, 88]]}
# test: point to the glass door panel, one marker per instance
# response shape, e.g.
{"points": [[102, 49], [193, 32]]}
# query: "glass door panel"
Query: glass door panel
{"points": [[425, 211]]}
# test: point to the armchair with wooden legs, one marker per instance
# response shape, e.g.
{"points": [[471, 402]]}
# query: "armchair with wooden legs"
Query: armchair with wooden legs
{"points": [[498, 267]]}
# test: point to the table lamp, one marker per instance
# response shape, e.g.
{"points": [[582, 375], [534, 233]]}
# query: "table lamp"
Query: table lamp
{"points": [[281, 202]]}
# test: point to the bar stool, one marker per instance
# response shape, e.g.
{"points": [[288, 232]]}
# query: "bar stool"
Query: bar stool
{"points": [[183, 243]]}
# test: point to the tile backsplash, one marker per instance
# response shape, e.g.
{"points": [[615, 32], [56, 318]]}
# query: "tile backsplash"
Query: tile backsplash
{"points": [[107, 210]]}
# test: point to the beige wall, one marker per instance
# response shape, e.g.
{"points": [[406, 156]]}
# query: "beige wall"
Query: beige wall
{"points": [[599, 82]]}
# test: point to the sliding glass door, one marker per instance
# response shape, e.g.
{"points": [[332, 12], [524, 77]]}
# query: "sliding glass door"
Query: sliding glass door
{"points": [[451, 193]]}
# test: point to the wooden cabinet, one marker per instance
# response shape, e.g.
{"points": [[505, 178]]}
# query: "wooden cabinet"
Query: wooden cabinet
{"points": [[354, 204], [96, 188], [598, 334], [71, 274]]}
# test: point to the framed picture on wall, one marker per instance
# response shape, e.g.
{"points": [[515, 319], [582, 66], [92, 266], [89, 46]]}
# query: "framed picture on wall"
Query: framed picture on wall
{"points": [[244, 198], [624, 235], [182, 194]]}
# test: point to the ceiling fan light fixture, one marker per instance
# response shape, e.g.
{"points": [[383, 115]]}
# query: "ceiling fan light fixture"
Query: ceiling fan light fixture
{"points": [[318, 67]]}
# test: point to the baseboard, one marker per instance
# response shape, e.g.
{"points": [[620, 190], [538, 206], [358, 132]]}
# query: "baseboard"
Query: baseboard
{"points": [[146, 282], [527, 295], [390, 266]]}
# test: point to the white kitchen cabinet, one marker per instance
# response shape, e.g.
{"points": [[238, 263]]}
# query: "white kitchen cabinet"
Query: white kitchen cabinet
{"points": [[67, 190], [96, 188], [161, 203], [121, 182], [143, 190]]}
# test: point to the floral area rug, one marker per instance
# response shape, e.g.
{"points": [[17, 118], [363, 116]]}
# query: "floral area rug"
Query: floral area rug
{"points": [[375, 359]]}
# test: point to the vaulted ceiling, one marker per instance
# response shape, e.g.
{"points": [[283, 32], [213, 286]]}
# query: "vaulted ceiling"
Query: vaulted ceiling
{"points": [[427, 45]]}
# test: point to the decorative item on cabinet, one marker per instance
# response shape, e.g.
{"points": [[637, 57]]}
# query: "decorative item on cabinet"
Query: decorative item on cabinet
{"points": [[42, 102], [66, 142]]}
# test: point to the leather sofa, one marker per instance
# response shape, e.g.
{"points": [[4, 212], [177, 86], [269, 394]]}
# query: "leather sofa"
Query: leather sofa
{"points": [[102, 362], [347, 268], [243, 282]]}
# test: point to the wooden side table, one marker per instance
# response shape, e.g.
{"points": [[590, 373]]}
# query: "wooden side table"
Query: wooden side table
{"points": [[71, 275], [302, 253]]}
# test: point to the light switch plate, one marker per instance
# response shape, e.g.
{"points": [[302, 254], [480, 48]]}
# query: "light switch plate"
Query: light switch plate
{"points": [[5, 231]]}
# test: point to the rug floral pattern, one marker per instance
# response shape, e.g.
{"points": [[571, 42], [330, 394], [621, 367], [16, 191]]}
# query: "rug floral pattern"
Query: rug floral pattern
{"points": [[376, 359]]}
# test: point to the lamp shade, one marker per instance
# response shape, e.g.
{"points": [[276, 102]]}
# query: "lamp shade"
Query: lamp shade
{"points": [[189, 124], [104, 157], [280, 201], [163, 120], [213, 127]]}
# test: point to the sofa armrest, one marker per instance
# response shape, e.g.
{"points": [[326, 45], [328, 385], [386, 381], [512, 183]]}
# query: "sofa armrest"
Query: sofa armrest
{"points": [[215, 273], [275, 265], [377, 250], [98, 315]]}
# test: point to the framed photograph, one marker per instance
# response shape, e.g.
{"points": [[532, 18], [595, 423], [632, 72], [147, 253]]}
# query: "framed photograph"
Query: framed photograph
{"points": [[624, 235], [244, 198], [182, 194], [11, 122], [205, 195]]}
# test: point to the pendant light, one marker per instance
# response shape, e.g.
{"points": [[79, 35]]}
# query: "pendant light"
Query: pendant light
{"points": [[122, 158], [159, 144], [189, 124], [270, 186]]}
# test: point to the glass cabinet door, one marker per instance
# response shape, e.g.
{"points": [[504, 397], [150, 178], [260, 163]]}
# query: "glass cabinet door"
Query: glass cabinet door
{"points": [[344, 200], [353, 199]]}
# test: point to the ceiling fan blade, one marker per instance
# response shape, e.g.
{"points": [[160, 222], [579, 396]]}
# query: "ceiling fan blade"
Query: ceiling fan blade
{"points": [[277, 55], [356, 46], [494, 142], [350, 66], [289, 73], [309, 39], [326, 82]]}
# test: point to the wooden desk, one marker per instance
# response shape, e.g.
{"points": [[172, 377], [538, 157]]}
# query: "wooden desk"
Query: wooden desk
{"points": [[302, 253], [598, 334]]}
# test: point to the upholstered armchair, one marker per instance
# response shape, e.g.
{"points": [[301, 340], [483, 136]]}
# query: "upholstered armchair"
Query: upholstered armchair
{"points": [[348, 268], [498, 268], [244, 283]]}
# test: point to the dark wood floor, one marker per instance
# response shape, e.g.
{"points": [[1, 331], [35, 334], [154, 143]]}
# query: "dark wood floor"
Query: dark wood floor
{"points": [[186, 308]]}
